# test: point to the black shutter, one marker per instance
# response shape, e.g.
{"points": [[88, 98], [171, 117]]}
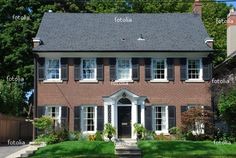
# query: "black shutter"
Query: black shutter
{"points": [[135, 69], [100, 118], [184, 108], [148, 118], [172, 116], [183, 69], [112, 69], [139, 113], [207, 69], [77, 69], [64, 116], [41, 69], [64, 69], [147, 69], [170, 69], [109, 113], [77, 117], [100, 73], [41, 111]]}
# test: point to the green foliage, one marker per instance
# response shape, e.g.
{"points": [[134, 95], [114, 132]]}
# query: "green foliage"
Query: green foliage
{"points": [[74, 135], [48, 138], [174, 130], [109, 130], [62, 134], [227, 109], [11, 101], [43, 123], [139, 129], [99, 136]]}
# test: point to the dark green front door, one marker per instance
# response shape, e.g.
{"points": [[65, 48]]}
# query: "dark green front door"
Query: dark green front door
{"points": [[124, 122]]}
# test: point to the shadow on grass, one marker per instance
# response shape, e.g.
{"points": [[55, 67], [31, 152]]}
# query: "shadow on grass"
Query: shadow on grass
{"points": [[185, 149], [77, 149]]}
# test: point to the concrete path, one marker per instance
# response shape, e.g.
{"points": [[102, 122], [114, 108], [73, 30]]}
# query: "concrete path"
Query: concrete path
{"points": [[6, 150]]}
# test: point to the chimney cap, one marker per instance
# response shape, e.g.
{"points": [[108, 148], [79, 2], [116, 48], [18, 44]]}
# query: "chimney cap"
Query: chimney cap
{"points": [[36, 40], [209, 39]]}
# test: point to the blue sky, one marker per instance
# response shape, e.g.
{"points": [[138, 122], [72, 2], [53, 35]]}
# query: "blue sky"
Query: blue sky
{"points": [[233, 3]]}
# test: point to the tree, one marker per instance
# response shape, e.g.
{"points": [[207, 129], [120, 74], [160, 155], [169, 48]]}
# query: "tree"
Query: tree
{"points": [[227, 109], [11, 101], [197, 120]]}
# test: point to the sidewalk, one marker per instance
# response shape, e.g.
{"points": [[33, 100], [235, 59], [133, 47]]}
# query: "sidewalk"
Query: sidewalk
{"points": [[8, 150]]}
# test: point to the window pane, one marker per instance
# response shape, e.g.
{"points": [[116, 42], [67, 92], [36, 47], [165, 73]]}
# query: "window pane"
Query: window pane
{"points": [[123, 69], [160, 118], [193, 69], [88, 68], [158, 68], [89, 118], [52, 68]]}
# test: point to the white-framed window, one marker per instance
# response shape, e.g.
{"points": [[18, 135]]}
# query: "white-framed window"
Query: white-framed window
{"points": [[88, 69], [159, 69], [160, 119], [194, 69], [55, 113], [123, 69], [53, 69], [89, 118]]}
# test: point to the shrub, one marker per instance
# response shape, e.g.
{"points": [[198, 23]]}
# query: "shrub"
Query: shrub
{"points": [[48, 138], [74, 135], [162, 137], [99, 136], [149, 135], [62, 134], [44, 124], [92, 137], [174, 130], [109, 131], [83, 137]]}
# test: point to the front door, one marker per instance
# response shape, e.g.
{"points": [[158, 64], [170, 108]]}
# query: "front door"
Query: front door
{"points": [[124, 121]]}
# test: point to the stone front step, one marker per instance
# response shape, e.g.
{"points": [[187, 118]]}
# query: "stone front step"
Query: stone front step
{"points": [[127, 149]]}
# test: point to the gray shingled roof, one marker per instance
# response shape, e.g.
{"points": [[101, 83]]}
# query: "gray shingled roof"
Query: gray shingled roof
{"points": [[100, 32]]}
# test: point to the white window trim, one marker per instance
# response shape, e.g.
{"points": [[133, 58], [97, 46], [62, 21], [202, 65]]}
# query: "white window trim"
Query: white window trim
{"points": [[200, 79], [166, 131], [165, 71], [59, 115], [45, 71], [95, 71], [82, 119], [124, 80]]}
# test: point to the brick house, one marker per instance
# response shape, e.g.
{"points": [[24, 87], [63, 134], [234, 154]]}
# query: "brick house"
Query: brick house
{"points": [[122, 69]]}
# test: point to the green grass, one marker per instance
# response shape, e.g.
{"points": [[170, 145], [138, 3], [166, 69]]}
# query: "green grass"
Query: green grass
{"points": [[77, 149], [186, 149]]}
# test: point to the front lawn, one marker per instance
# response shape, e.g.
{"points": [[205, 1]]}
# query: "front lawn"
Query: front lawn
{"points": [[77, 149], [155, 149]]}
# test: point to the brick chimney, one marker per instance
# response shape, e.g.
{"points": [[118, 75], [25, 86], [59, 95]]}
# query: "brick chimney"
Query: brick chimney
{"points": [[231, 32], [197, 7]]}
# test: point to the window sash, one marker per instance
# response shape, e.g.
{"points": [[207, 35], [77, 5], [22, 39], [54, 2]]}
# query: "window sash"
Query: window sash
{"points": [[55, 113], [89, 69], [194, 69], [53, 69], [160, 118], [89, 118], [159, 69], [124, 70]]}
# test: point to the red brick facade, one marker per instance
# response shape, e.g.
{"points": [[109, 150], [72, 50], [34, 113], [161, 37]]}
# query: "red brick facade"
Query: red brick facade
{"points": [[73, 93]]}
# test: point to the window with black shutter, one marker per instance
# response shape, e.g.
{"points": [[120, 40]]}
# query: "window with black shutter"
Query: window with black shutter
{"points": [[147, 69], [112, 69], [135, 69], [100, 71], [207, 69], [77, 69], [77, 118], [183, 69], [170, 69], [148, 118], [172, 116], [64, 69], [100, 118], [41, 69]]}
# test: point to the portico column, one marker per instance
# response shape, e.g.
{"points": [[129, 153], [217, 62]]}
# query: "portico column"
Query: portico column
{"points": [[134, 118]]}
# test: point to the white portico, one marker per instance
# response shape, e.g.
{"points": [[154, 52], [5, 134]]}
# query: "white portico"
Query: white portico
{"points": [[123, 109]]}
